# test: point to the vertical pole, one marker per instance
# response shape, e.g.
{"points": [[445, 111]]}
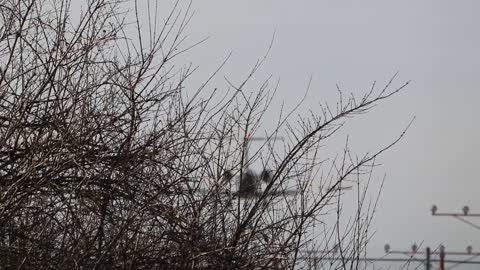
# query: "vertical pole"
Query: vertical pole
{"points": [[427, 262], [442, 259]]}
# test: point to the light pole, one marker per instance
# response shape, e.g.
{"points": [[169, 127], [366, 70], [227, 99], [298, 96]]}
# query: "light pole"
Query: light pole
{"points": [[428, 253], [412, 253], [460, 216], [427, 262], [442, 257]]}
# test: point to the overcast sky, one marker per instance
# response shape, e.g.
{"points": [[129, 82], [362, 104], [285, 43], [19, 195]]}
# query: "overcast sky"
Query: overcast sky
{"points": [[435, 44]]}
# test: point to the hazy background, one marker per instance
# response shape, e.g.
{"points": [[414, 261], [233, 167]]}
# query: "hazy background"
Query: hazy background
{"points": [[435, 44]]}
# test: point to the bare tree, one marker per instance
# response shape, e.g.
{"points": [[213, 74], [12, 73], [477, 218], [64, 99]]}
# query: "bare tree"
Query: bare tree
{"points": [[108, 160]]}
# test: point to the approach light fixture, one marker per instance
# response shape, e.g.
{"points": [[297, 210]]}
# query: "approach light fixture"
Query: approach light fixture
{"points": [[434, 209], [387, 248], [465, 210]]}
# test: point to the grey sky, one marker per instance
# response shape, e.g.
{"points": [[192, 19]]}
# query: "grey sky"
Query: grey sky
{"points": [[433, 43]]}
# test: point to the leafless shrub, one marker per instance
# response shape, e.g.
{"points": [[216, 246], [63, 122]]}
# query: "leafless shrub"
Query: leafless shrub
{"points": [[107, 163]]}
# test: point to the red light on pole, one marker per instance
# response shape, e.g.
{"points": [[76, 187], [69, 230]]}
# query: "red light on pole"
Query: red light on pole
{"points": [[442, 257]]}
